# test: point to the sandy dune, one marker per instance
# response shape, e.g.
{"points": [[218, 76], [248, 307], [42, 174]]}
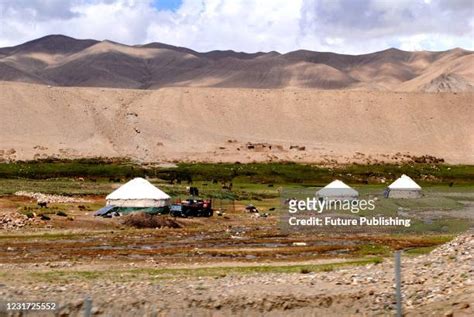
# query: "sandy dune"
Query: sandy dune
{"points": [[217, 124], [64, 61]]}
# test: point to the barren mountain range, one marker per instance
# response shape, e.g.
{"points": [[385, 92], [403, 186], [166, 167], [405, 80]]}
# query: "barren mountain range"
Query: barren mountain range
{"points": [[63, 61], [223, 106]]}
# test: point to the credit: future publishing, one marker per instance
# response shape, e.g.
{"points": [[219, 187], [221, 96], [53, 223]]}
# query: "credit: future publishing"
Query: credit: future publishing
{"points": [[336, 221]]}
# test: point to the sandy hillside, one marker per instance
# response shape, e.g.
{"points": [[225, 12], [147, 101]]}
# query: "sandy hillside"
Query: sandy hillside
{"points": [[63, 61], [223, 124]]}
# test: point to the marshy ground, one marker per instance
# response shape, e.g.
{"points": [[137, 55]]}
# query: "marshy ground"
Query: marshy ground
{"points": [[63, 253]]}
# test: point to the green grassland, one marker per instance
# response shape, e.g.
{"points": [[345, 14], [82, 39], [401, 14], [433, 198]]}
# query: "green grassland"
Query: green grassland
{"points": [[262, 180], [256, 173], [446, 187]]}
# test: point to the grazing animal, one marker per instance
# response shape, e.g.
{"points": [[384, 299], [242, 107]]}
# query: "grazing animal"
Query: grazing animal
{"points": [[43, 204], [228, 187]]}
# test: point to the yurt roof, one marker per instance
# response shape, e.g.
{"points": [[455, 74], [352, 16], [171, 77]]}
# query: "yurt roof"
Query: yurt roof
{"points": [[337, 184], [336, 187], [404, 182], [138, 188]]}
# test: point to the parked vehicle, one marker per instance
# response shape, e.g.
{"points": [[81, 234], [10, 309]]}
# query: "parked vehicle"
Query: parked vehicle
{"points": [[192, 208]]}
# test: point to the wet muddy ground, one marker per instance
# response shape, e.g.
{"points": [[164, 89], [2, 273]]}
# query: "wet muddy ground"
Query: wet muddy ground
{"points": [[237, 237]]}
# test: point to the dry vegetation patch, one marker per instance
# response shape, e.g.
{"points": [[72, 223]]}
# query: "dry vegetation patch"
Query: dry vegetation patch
{"points": [[144, 220]]}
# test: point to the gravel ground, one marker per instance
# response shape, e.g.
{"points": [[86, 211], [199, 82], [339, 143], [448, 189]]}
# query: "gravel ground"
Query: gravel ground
{"points": [[437, 284]]}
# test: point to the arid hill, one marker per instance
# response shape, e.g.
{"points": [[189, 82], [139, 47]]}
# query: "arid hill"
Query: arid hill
{"points": [[63, 61], [230, 124]]}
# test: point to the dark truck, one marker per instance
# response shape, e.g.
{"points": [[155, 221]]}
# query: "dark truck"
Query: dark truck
{"points": [[192, 208]]}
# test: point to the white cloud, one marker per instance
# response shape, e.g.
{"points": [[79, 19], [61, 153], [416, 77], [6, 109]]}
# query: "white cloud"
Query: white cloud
{"points": [[345, 26], [238, 25]]}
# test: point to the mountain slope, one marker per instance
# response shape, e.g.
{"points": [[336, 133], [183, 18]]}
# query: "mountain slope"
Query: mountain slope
{"points": [[63, 61], [215, 124]]}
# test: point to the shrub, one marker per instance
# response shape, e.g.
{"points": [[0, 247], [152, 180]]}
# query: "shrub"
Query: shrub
{"points": [[327, 268], [44, 217], [29, 214]]}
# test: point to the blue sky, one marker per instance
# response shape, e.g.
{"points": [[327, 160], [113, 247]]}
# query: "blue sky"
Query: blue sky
{"points": [[343, 26], [171, 5]]}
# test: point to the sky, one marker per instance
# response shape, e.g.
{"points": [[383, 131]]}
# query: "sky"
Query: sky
{"points": [[342, 26]]}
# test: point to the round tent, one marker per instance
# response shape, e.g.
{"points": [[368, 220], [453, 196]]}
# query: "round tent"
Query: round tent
{"points": [[403, 187], [138, 193], [337, 190]]}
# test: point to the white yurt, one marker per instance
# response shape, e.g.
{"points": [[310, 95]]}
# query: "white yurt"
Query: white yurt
{"points": [[138, 193], [403, 187], [337, 190], [135, 195]]}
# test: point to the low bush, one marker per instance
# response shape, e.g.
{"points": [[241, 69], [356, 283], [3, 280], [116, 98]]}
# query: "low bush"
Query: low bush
{"points": [[29, 214]]}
